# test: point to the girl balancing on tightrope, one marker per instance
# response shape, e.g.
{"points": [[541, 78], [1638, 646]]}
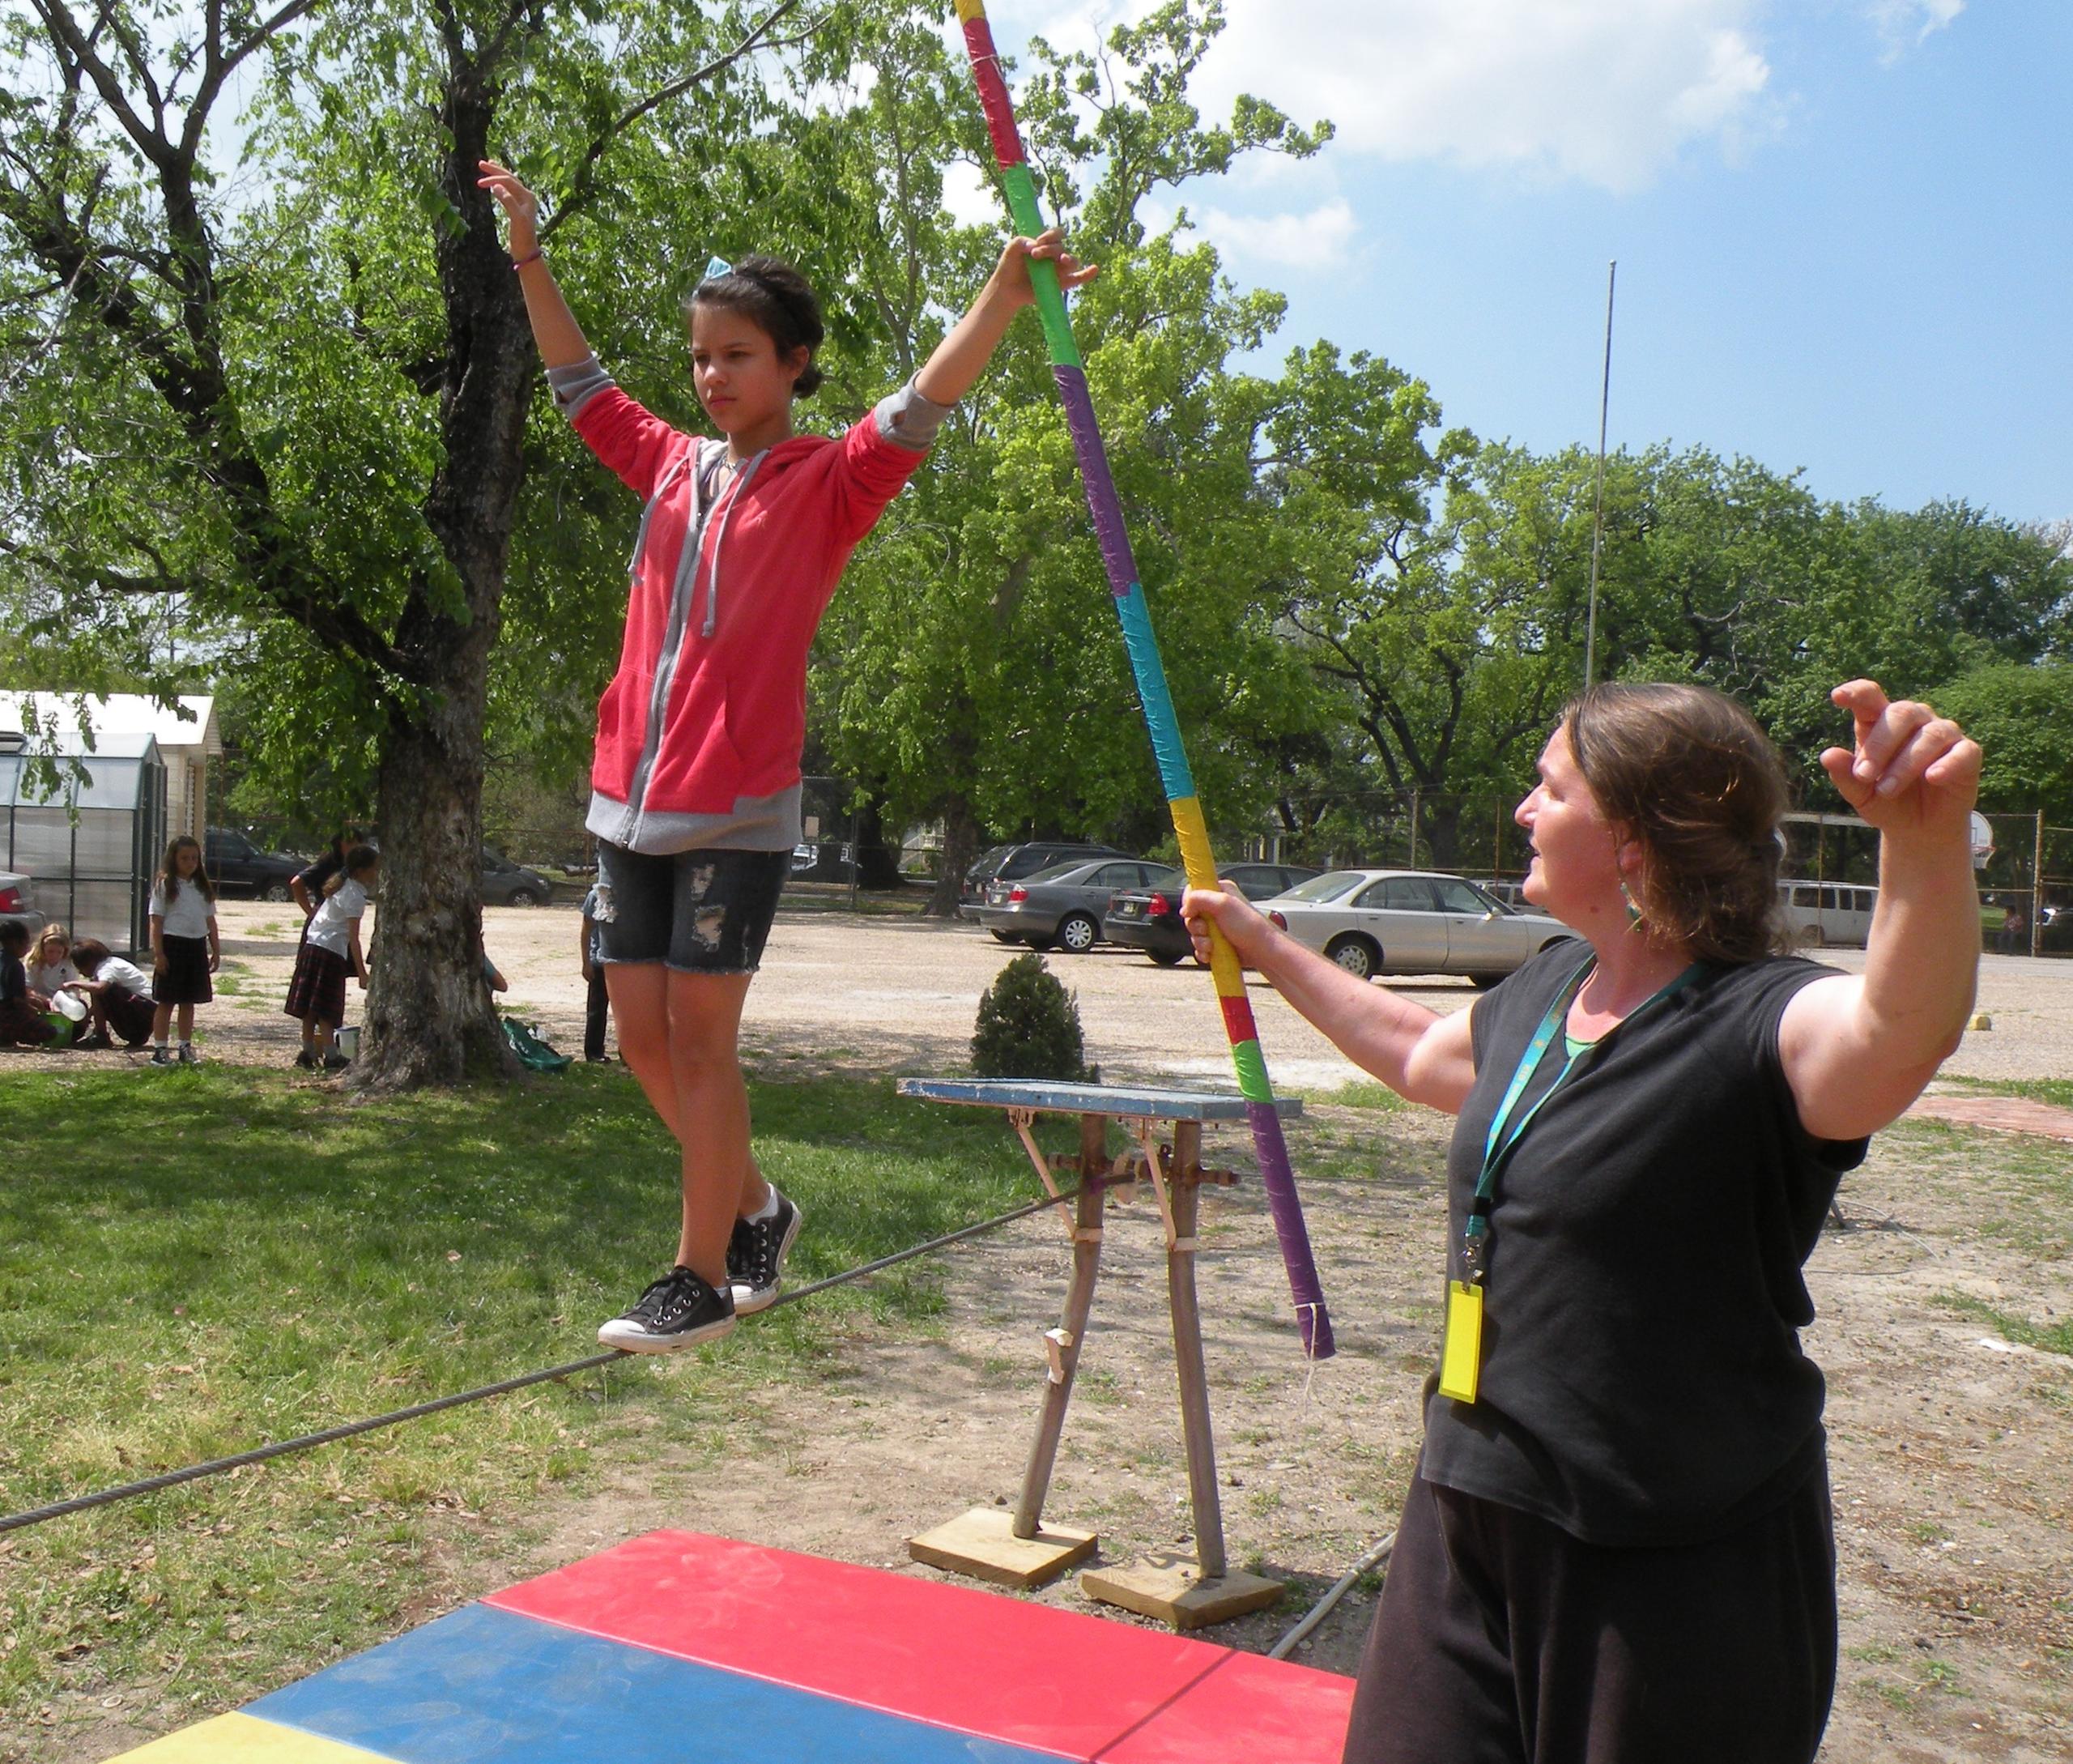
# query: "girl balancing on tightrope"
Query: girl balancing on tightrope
{"points": [[695, 785], [1617, 1546]]}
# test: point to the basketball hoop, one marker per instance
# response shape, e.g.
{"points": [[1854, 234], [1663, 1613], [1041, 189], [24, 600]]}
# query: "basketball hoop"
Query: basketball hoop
{"points": [[1982, 840]]}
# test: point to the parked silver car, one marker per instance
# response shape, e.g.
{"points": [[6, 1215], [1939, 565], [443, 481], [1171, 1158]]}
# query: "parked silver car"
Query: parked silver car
{"points": [[1063, 905], [18, 902], [1373, 921]]}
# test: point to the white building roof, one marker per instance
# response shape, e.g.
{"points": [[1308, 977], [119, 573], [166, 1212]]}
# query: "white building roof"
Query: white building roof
{"points": [[119, 722]]}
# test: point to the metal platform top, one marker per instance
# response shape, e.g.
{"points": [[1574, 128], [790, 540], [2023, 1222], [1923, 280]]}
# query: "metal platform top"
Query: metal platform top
{"points": [[1133, 1102]]}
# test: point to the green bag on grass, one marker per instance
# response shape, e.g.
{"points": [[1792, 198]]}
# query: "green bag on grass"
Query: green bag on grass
{"points": [[533, 1053]]}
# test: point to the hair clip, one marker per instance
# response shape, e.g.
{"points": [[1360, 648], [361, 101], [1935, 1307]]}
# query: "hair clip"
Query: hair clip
{"points": [[716, 267]]}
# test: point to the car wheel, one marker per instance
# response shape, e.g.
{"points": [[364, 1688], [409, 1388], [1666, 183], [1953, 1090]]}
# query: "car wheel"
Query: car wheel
{"points": [[1357, 955], [275, 890], [1482, 982], [1166, 958], [1076, 934], [526, 897], [1004, 937]]}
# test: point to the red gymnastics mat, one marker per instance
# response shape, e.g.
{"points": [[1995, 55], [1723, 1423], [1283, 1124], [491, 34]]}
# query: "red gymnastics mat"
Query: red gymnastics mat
{"points": [[678, 1645]]}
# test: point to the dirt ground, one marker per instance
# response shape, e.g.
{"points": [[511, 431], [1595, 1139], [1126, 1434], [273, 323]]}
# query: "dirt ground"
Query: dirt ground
{"points": [[1953, 1478]]}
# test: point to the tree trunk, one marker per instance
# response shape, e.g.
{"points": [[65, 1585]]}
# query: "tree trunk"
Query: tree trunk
{"points": [[430, 1018], [1441, 833], [960, 845], [878, 858]]}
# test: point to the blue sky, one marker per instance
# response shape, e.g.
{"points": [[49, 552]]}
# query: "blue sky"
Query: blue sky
{"points": [[1844, 228]]}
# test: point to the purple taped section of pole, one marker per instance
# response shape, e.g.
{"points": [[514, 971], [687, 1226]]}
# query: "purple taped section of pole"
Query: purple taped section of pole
{"points": [[1279, 1182], [1101, 498]]}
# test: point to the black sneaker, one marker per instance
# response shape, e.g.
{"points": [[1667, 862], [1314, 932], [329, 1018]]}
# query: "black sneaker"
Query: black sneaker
{"points": [[756, 1256], [679, 1311], [307, 1060]]}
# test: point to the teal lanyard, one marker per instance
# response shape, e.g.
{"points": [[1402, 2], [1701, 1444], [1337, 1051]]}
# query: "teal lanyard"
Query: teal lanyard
{"points": [[1505, 1132]]}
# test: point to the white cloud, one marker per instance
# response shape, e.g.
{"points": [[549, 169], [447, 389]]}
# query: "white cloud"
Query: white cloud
{"points": [[1320, 240], [1904, 24], [1604, 92], [971, 200]]}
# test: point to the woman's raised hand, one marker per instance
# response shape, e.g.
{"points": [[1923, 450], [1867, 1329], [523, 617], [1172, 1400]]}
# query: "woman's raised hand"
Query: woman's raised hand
{"points": [[521, 206], [1011, 274], [1907, 771]]}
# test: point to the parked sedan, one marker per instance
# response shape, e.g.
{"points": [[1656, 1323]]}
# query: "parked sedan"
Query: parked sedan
{"points": [[238, 867], [1373, 921], [1063, 905], [18, 902], [1017, 863], [506, 884], [1149, 919]]}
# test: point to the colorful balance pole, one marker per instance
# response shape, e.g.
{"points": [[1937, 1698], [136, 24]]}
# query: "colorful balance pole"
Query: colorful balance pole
{"points": [[1151, 690]]}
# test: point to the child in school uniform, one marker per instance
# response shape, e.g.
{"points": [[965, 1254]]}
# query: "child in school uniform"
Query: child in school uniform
{"points": [[118, 996], [51, 968], [330, 952], [185, 948], [597, 1002], [21, 1011]]}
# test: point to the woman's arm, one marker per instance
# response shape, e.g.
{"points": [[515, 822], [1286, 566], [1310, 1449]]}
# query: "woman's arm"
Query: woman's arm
{"points": [[959, 359], [1859, 1049], [1421, 1055], [560, 339]]}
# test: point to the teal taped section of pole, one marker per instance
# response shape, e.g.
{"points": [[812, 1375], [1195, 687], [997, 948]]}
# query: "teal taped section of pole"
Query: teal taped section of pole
{"points": [[1166, 744]]}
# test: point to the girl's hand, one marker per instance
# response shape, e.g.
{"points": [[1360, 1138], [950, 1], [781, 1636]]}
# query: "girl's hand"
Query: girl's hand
{"points": [[521, 206], [1231, 912], [1908, 771], [1011, 274], [215, 960]]}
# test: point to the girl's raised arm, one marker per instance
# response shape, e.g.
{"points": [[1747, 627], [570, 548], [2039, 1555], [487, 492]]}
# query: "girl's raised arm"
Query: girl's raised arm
{"points": [[962, 356], [560, 339]]}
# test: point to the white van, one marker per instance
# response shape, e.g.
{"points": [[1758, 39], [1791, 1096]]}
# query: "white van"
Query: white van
{"points": [[1828, 913]]}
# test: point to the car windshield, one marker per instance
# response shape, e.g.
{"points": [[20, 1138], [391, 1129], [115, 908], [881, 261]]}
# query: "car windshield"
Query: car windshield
{"points": [[1327, 887]]}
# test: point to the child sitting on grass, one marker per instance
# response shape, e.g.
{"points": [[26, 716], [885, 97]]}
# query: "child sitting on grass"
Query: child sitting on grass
{"points": [[118, 995], [21, 1011]]}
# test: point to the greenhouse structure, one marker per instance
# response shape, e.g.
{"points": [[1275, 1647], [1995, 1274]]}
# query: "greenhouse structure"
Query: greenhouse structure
{"points": [[86, 826]]}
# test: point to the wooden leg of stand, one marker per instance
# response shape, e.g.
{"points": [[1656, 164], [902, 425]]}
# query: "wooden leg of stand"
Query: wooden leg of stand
{"points": [[1071, 1332], [1187, 1352]]}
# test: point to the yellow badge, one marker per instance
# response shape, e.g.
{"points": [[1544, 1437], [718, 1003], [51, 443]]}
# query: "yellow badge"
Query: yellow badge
{"points": [[1462, 1355]]}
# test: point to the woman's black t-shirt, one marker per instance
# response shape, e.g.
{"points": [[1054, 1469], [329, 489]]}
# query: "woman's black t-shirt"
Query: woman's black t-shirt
{"points": [[1642, 1382]]}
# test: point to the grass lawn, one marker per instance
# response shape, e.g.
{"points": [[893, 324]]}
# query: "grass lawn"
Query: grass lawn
{"points": [[194, 1262]]}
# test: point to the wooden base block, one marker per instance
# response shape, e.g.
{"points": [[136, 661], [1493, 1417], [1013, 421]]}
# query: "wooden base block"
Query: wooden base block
{"points": [[981, 1544], [1171, 1589]]}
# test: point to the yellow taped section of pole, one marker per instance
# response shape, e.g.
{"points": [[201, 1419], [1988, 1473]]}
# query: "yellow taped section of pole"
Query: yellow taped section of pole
{"points": [[1193, 832], [969, 10]]}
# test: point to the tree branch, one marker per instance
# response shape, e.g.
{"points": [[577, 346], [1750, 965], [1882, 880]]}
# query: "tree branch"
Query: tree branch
{"points": [[583, 187]]}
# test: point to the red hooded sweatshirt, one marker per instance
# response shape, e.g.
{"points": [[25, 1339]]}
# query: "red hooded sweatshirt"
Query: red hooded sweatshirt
{"points": [[702, 724]]}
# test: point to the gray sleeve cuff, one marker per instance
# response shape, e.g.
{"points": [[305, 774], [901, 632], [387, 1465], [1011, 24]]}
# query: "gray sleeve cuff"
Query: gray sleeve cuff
{"points": [[910, 419], [575, 385]]}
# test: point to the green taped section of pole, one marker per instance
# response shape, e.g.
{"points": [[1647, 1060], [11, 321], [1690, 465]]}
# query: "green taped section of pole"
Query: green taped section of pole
{"points": [[1251, 1064], [1050, 298]]}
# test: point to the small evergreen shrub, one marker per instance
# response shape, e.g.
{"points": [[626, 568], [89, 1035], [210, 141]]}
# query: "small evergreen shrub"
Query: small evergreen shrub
{"points": [[1028, 1027]]}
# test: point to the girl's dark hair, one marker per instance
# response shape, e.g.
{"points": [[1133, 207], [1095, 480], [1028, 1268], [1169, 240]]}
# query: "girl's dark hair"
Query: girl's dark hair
{"points": [[169, 871], [88, 954], [14, 935], [1691, 776], [360, 858], [775, 297]]}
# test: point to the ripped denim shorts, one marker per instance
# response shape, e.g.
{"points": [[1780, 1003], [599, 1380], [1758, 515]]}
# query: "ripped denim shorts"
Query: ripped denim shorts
{"points": [[699, 912]]}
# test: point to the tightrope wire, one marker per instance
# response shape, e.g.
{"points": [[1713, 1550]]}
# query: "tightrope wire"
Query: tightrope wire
{"points": [[281, 1448]]}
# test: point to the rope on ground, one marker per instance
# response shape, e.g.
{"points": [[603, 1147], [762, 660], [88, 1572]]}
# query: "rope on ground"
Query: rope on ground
{"points": [[1317, 1613], [281, 1448]]}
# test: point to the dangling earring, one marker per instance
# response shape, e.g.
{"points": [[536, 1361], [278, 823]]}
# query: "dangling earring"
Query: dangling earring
{"points": [[1633, 912]]}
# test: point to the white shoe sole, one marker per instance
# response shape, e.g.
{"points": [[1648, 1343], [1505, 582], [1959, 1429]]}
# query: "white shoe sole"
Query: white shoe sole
{"points": [[747, 1301], [631, 1338]]}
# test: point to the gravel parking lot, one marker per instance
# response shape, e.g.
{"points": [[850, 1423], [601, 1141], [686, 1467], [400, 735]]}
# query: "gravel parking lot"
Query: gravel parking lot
{"points": [[899, 994]]}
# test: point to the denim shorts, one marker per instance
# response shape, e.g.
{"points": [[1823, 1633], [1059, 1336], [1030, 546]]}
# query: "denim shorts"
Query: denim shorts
{"points": [[699, 912]]}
